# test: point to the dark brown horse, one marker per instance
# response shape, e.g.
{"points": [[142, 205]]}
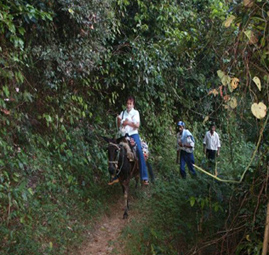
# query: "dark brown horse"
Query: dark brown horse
{"points": [[121, 166]]}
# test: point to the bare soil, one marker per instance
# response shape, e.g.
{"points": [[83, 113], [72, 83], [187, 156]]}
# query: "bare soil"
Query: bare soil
{"points": [[106, 236]]}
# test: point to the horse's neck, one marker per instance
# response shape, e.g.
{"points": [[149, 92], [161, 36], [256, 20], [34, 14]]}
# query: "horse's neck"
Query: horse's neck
{"points": [[126, 146], [129, 152]]}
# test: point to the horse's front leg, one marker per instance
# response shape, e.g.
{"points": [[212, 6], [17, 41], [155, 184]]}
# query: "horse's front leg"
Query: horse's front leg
{"points": [[126, 202], [136, 180]]}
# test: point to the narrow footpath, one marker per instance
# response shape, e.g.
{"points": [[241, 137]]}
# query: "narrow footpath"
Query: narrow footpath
{"points": [[106, 235]]}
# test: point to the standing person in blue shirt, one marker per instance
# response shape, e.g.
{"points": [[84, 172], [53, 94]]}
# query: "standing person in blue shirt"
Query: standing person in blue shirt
{"points": [[185, 148], [129, 122]]}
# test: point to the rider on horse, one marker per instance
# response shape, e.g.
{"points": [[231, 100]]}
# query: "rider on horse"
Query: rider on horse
{"points": [[128, 122]]}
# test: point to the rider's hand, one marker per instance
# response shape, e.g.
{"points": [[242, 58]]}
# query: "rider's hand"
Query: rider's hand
{"points": [[126, 122]]}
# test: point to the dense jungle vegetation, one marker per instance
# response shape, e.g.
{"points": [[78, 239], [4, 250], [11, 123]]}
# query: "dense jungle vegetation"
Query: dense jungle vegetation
{"points": [[66, 69]]}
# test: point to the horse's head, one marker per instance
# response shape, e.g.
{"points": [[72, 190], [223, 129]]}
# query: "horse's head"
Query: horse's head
{"points": [[114, 150]]}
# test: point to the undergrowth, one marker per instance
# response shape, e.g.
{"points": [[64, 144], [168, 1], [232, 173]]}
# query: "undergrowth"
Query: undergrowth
{"points": [[197, 214], [51, 192]]}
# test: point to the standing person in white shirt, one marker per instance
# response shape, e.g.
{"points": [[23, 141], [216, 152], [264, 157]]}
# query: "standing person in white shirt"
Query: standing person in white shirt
{"points": [[211, 143], [129, 121]]}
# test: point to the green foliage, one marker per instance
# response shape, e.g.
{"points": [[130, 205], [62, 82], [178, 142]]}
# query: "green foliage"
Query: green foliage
{"points": [[47, 189], [66, 69], [51, 162], [183, 216]]}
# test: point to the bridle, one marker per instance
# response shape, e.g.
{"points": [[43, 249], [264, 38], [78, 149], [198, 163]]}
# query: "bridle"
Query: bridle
{"points": [[116, 161]]}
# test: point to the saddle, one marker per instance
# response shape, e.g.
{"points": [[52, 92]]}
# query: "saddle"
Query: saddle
{"points": [[130, 149]]}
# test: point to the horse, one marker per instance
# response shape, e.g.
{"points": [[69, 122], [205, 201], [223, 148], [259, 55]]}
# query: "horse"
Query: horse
{"points": [[121, 166]]}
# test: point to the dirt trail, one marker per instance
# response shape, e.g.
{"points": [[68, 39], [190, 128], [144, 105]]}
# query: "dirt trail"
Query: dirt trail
{"points": [[105, 239]]}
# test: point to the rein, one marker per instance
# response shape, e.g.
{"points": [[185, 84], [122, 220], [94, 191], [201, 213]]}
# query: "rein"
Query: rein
{"points": [[117, 158]]}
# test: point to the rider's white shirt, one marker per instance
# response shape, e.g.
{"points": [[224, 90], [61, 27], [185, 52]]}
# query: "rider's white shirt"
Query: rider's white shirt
{"points": [[133, 116]]}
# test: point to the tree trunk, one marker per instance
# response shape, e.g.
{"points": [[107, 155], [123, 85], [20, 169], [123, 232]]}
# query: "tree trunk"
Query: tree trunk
{"points": [[266, 233]]}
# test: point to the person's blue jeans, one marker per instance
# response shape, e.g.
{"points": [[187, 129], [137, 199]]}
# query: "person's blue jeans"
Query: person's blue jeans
{"points": [[142, 163], [186, 158]]}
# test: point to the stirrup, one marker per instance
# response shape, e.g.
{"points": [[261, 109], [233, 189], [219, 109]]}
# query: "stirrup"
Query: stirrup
{"points": [[113, 181], [145, 182]]}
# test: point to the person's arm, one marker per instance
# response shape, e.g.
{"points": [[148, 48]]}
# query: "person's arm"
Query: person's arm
{"points": [[177, 148], [118, 121], [204, 144], [218, 145], [131, 124], [190, 143], [187, 146], [204, 149]]}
